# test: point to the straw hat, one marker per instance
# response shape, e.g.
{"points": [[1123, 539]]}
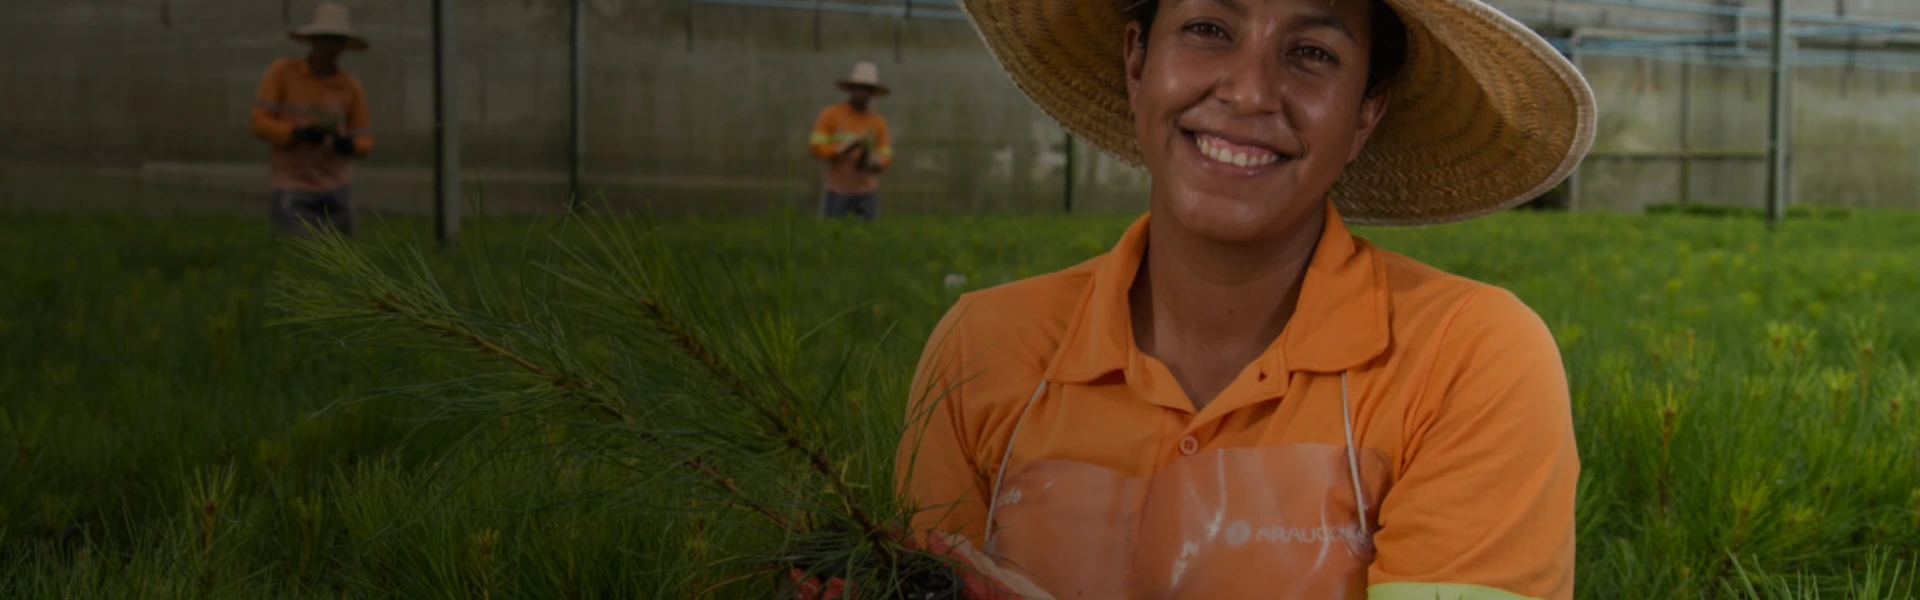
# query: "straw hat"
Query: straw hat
{"points": [[1484, 115], [330, 18], [864, 73]]}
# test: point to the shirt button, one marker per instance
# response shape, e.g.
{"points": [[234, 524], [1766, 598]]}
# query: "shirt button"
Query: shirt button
{"points": [[1188, 445]]}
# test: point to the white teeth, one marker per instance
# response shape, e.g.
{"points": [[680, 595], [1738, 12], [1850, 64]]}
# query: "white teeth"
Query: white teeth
{"points": [[1209, 149]]}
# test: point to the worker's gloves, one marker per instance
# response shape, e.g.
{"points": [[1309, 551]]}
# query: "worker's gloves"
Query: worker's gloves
{"points": [[310, 134], [343, 145]]}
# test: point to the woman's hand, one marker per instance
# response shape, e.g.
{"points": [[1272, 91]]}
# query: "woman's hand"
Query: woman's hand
{"points": [[983, 578]]}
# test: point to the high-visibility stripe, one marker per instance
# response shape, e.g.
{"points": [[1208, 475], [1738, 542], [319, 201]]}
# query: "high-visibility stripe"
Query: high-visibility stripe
{"points": [[886, 151], [821, 138], [1439, 591]]}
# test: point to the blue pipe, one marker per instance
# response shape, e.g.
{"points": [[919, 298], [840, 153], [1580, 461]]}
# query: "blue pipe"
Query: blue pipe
{"points": [[1722, 38], [1735, 11], [1706, 56]]}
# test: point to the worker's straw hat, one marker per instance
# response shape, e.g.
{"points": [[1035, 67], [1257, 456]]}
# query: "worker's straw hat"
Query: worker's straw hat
{"points": [[330, 18], [1484, 114], [865, 73]]}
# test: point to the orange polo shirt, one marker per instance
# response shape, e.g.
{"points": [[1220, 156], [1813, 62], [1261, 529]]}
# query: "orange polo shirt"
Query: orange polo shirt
{"points": [[291, 96], [839, 124], [1458, 396]]}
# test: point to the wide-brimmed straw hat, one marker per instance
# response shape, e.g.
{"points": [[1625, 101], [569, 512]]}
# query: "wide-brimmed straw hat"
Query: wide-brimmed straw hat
{"points": [[330, 18], [865, 74], [1484, 115]]}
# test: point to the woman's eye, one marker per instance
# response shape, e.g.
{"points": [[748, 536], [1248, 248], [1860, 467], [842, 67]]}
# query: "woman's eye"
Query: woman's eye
{"points": [[1313, 53], [1207, 30]]}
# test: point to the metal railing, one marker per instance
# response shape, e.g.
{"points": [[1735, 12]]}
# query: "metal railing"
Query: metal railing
{"points": [[1709, 48], [1739, 12], [905, 9]]}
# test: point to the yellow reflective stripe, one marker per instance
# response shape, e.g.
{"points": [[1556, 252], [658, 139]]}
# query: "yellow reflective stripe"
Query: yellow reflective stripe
{"points": [[1439, 591], [820, 138], [886, 151]]}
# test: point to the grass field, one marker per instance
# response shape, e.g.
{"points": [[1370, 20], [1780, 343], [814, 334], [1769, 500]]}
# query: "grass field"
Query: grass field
{"points": [[1743, 401]]}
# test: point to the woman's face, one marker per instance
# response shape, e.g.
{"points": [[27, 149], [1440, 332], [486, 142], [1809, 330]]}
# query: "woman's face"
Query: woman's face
{"points": [[1247, 110]]}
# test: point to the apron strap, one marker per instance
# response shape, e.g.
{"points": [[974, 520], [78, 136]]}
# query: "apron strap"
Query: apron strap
{"points": [[1353, 455], [993, 502]]}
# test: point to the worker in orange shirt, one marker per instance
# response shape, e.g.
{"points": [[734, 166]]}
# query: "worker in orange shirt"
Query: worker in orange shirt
{"points": [[313, 116], [851, 138], [1243, 398]]}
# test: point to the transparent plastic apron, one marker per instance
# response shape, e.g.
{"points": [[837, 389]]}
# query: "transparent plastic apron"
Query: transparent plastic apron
{"points": [[1281, 522]]}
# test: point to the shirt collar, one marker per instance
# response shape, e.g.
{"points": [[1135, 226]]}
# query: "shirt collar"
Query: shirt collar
{"points": [[1340, 321]]}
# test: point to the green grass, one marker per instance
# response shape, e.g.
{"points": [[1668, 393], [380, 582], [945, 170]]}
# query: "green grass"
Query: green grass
{"points": [[1744, 401]]}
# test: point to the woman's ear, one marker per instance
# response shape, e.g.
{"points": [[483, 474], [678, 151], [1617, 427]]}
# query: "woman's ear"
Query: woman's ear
{"points": [[1136, 58], [1373, 107]]}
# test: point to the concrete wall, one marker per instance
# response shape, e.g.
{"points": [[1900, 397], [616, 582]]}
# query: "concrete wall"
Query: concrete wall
{"points": [[696, 108]]}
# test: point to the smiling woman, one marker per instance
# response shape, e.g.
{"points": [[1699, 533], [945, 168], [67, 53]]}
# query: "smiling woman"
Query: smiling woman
{"points": [[1241, 398], [1210, 119]]}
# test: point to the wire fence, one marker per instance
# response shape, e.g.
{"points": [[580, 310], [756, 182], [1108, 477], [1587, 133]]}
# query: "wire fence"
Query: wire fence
{"points": [[703, 103]]}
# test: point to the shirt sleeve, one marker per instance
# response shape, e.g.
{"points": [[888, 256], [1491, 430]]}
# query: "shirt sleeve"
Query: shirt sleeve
{"points": [[820, 143], [1484, 508], [359, 123], [267, 119], [935, 468]]}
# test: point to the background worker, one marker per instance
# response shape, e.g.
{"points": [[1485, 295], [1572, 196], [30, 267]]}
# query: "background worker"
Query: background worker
{"points": [[313, 115], [851, 138]]}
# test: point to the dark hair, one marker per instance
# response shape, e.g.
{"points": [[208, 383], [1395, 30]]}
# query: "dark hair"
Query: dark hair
{"points": [[1388, 54]]}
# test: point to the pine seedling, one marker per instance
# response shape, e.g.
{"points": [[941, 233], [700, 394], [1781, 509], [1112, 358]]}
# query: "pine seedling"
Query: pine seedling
{"points": [[691, 388]]}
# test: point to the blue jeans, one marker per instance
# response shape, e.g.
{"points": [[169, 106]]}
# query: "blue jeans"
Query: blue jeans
{"points": [[864, 206], [293, 211]]}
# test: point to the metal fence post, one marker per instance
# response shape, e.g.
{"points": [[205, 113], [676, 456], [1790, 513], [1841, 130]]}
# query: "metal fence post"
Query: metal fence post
{"points": [[1777, 125], [1686, 130], [446, 128], [578, 118]]}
